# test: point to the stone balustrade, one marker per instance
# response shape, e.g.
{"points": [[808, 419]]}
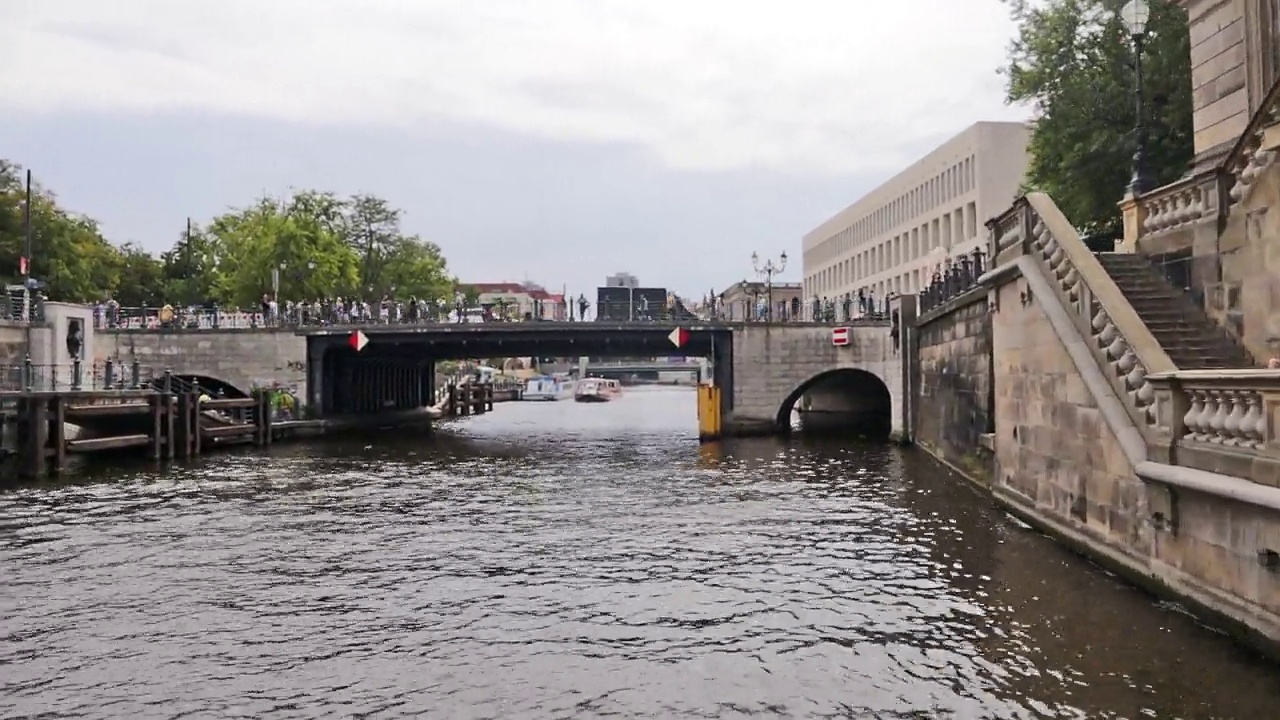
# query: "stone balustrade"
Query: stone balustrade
{"points": [[1180, 204], [1120, 341], [1221, 421], [1257, 149]]}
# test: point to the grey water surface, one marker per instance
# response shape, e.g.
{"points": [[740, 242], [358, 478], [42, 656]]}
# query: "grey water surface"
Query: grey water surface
{"points": [[557, 560]]}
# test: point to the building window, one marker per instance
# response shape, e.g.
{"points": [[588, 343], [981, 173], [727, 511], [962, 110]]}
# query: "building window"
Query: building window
{"points": [[971, 220]]}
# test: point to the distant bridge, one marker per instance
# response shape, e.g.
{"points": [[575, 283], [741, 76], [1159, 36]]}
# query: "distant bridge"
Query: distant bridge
{"points": [[763, 370], [688, 365]]}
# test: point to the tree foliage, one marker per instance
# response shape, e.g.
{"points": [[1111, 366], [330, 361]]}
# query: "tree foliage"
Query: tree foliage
{"points": [[1073, 62], [317, 244]]}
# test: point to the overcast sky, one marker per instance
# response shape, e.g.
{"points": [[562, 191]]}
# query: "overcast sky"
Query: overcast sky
{"points": [[550, 140]]}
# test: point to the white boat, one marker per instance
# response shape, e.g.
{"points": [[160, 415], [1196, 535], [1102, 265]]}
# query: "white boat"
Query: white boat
{"points": [[597, 390], [547, 388]]}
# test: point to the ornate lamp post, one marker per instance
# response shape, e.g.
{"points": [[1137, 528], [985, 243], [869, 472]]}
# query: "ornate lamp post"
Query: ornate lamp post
{"points": [[767, 271], [1135, 15]]}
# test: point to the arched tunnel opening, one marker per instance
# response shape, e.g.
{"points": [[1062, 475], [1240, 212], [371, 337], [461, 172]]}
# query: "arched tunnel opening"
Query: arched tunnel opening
{"points": [[846, 402]]}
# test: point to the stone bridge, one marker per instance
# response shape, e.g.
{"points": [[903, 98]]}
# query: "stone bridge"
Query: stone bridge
{"points": [[765, 370]]}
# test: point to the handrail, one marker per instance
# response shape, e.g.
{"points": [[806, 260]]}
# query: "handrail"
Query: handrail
{"points": [[1104, 289], [1118, 338], [1247, 160]]}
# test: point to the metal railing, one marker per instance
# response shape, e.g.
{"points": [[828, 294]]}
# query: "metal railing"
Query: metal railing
{"points": [[206, 318], [957, 278], [74, 376], [849, 307]]}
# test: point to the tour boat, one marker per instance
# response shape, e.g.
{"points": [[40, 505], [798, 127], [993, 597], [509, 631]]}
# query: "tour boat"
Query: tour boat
{"points": [[597, 390], [547, 387]]}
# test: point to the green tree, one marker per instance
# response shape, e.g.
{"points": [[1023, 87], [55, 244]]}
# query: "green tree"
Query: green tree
{"points": [[293, 238], [416, 268], [316, 243], [373, 232], [1072, 61], [140, 279]]}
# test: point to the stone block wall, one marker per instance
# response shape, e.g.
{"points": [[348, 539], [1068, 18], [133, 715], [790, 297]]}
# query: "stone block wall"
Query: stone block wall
{"points": [[772, 362], [954, 384], [1060, 463], [1250, 258], [243, 358]]}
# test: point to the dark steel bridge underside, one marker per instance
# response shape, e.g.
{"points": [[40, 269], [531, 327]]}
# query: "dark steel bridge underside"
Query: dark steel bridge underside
{"points": [[396, 369]]}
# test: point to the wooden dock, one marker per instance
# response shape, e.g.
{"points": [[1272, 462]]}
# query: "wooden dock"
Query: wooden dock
{"points": [[177, 423], [467, 399], [166, 425]]}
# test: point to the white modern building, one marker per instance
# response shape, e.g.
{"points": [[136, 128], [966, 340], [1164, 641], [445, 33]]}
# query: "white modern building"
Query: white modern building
{"points": [[893, 239]]}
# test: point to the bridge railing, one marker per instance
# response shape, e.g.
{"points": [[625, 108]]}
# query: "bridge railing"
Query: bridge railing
{"points": [[823, 310], [98, 375], [817, 310]]}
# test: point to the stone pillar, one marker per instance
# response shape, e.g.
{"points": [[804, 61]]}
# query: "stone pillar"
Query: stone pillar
{"points": [[902, 318], [1134, 217], [909, 351]]}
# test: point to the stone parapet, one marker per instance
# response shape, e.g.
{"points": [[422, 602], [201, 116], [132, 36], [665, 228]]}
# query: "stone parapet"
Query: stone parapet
{"points": [[1220, 421]]}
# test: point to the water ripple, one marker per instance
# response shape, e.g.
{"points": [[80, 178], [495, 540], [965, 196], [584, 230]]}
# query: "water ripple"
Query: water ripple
{"points": [[576, 561]]}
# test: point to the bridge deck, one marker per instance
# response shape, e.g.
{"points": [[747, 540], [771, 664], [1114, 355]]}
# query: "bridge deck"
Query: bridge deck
{"points": [[570, 327]]}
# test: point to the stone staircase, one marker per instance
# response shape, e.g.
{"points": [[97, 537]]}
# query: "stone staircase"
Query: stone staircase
{"points": [[1191, 338]]}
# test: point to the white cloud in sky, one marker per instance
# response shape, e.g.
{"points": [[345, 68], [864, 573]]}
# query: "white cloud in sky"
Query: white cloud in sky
{"points": [[804, 86]]}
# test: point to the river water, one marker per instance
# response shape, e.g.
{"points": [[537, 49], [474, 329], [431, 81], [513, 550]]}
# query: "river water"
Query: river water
{"points": [[576, 561]]}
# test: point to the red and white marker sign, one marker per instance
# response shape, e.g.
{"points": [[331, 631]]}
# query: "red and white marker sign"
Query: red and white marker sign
{"points": [[358, 340], [840, 336], [679, 337]]}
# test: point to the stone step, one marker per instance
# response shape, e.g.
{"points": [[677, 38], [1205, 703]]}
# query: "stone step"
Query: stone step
{"points": [[1191, 339]]}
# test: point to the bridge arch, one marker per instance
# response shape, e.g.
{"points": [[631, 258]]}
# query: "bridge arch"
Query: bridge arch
{"points": [[843, 400]]}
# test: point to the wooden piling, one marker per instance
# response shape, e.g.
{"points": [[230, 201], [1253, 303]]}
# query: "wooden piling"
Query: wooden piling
{"points": [[197, 424], [183, 428], [155, 405], [58, 433], [33, 426], [262, 418], [167, 425]]}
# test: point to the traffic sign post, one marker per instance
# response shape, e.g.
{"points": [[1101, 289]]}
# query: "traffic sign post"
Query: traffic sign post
{"points": [[840, 336], [358, 340], [679, 337]]}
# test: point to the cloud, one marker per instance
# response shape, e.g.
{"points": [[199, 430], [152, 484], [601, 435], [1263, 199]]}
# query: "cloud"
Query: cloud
{"points": [[807, 86]]}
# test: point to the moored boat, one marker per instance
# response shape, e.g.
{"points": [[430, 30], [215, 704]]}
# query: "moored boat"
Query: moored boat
{"points": [[597, 390], [548, 387]]}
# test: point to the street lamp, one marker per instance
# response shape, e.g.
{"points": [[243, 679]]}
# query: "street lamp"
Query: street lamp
{"points": [[1135, 15], [767, 271], [275, 280]]}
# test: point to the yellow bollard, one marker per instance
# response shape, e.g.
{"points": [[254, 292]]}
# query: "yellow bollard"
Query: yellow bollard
{"points": [[709, 420]]}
